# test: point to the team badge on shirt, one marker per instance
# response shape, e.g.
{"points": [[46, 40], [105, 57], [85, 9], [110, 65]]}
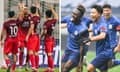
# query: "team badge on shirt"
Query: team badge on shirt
{"points": [[102, 28]]}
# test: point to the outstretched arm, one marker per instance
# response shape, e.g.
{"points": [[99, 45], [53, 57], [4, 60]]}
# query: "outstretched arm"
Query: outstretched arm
{"points": [[53, 12]]}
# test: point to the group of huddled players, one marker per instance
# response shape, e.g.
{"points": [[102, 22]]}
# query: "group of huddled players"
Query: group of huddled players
{"points": [[21, 32], [101, 27]]}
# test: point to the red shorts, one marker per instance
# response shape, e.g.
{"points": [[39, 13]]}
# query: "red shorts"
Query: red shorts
{"points": [[11, 46], [49, 45], [33, 43], [21, 37]]}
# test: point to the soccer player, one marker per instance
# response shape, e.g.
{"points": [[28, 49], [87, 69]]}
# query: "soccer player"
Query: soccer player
{"points": [[99, 33], [75, 24], [10, 28], [112, 23], [24, 24], [32, 39], [48, 29]]}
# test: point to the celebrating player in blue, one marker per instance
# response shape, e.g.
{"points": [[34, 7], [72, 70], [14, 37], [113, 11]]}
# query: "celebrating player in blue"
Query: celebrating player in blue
{"points": [[112, 23], [76, 24], [99, 33]]}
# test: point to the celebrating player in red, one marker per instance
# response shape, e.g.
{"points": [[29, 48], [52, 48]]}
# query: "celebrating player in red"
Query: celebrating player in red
{"points": [[49, 38], [33, 41], [24, 24], [10, 27]]}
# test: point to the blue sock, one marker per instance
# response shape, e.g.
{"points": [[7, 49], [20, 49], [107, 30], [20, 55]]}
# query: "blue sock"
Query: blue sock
{"points": [[116, 62]]}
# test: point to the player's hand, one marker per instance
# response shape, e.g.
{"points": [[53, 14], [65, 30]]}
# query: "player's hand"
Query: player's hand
{"points": [[37, 4], [91, 38], [51, 7], [116, 49]]}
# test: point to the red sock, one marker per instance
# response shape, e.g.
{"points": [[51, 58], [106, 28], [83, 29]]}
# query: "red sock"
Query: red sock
{"points": [[7, 62], [20, 58], [50, 62], [27, 58], [37, 61], [13, 67], [32, 59]]}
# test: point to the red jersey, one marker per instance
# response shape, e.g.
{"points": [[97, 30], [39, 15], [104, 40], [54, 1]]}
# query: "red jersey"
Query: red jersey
{"points": [[35, 20], [24, 25], [11, 28], [49, 26]]}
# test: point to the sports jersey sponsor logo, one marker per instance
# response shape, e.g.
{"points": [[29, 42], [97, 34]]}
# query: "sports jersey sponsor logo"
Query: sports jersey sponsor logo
{"points": [[76, 33], [110, 26], [25, 24], [96, 31]]}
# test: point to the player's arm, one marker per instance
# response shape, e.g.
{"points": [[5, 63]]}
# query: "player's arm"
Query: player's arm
{"points": [[43, 33], [2, 36], [101, 36], [37, 4], [21, 11], [54, 12], [64, 21], [30, 31], [117, 48]]}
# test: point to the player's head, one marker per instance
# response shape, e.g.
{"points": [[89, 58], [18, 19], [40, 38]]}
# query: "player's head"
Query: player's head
{"points": [[107, 11], [11, 14], [96, 12], [33, 9], [78, 13], [48, 13], [25, 10]]}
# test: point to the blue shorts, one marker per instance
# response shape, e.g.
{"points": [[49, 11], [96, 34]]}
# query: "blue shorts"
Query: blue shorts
{"points": [[101, 61], [73, 56]]}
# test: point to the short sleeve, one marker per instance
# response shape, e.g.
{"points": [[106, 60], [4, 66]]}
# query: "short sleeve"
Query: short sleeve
{"points": [[65, 19]]}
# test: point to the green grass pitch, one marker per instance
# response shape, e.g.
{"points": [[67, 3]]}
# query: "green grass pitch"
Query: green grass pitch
{"points": [[23, 70]]}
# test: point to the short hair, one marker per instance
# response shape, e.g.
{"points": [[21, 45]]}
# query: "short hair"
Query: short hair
{"points": [[81, 8], [107, 6], [48, 13], [11, 14], [33, 9], [98, 8]]}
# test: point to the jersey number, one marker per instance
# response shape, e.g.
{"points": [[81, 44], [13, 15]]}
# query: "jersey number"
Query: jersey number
{"points": [[13, 31]]}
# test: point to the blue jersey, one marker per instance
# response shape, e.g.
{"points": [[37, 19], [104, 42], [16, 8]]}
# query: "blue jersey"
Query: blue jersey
{"points": [[74, 32], [112, 23], [104, 44]]}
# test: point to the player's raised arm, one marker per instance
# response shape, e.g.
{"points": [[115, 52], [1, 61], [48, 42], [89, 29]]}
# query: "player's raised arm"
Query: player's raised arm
{"points": [[37, 4], [30, 31], [53, 12], [21, 11], [101, 36], [2, 35]]}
